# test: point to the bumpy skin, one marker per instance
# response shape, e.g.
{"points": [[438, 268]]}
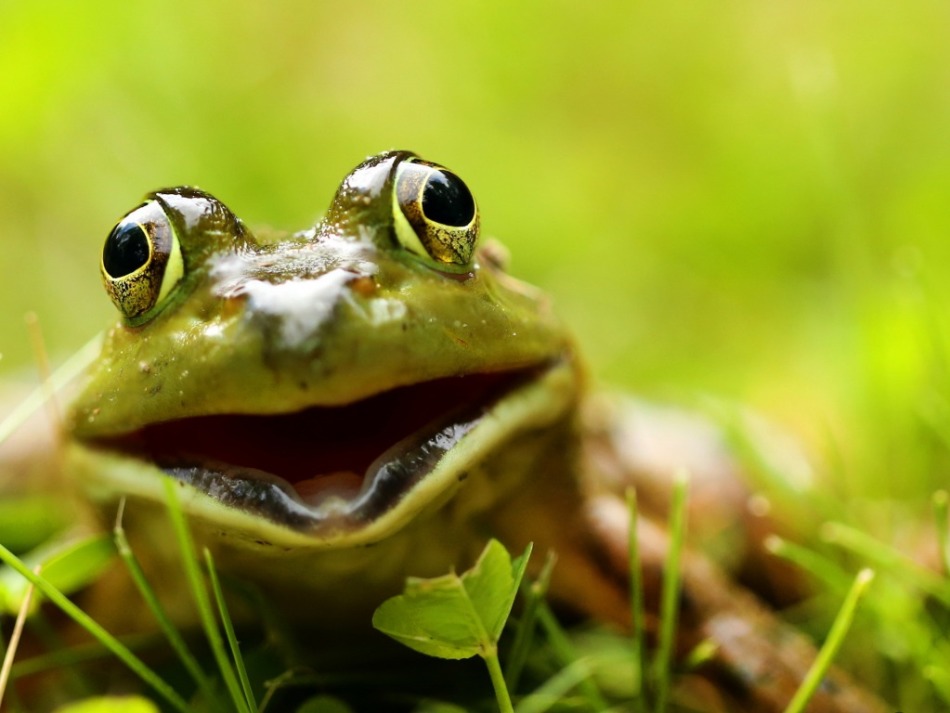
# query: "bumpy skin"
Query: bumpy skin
{"points": [[343, 324]]}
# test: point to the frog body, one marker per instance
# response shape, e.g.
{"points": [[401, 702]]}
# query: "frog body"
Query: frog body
{"points": [[365, 400]]}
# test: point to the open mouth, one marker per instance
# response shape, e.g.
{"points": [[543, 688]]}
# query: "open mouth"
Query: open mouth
{"points": [[348, 464]]}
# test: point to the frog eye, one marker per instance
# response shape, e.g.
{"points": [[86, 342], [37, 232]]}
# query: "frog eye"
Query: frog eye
{"points": [[435, 214], [141, 262]]}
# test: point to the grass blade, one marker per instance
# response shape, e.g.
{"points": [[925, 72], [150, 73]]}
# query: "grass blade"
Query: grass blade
{"points": [[70, 369], [839, 630], [637, 618], [669, 605], [172, 634], [555, 688], [887, 558], [14, 642], [229, 631], [72, 656], [820, 567], [192, 571], [534, 593], [566, 655], [135, 664], [41, 357]]}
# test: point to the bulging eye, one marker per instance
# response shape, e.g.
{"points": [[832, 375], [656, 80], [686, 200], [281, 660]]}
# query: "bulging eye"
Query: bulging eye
{"points": [[435, 214], [141, 262]]}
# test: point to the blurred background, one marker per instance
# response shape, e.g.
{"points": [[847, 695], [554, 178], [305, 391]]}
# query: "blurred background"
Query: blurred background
{"points": [[739, 198]]}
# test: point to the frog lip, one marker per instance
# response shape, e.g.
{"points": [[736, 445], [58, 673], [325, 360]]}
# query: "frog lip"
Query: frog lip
{"points": [[341, 466]]}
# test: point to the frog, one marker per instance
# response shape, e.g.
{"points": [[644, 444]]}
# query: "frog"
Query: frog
{"points": [[375, 397]]}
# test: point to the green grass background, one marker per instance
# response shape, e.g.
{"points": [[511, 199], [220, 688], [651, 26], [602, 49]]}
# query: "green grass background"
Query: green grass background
{"points": [[739, 198]]}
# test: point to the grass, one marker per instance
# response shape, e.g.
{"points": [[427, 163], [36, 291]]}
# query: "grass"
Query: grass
{"points": [[116, 647], [637, 618], [834, 641]]}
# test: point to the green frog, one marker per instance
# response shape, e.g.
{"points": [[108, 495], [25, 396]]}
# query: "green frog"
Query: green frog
{"points": [[373, 398]]}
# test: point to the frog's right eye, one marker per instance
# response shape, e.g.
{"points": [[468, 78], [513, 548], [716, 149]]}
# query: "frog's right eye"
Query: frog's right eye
{"points": [[434, 215], [141, 262]]}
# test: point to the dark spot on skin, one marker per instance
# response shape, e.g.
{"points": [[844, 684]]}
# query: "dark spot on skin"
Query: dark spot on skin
{"points": [[462, 476], [154, 389]]}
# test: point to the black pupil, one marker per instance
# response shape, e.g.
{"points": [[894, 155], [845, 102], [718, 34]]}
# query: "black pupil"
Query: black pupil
{"points": [[126, 249], [447, 200]]}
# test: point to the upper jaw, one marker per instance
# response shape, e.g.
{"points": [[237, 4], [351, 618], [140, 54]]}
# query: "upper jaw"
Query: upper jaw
{"points": [[253, 361], [326, 500]]}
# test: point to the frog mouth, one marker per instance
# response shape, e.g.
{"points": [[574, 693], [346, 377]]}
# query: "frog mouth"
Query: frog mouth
{"points": [[340, 468]]}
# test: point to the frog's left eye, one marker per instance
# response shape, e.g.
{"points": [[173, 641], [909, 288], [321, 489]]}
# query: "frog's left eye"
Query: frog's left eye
{"points": [[435, 214], [141, 262]]}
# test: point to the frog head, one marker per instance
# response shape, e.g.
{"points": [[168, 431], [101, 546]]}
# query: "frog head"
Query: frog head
{"points": [[317, 389]]}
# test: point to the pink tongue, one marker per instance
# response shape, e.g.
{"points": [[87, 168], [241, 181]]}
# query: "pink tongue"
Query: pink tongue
{"points": [[344, 484]]}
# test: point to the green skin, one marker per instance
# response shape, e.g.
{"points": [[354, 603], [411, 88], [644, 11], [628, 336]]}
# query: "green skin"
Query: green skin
{"points": [[375, 398], [271, 325]]}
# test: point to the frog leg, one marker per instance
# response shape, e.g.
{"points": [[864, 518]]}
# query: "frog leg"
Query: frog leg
{"points": [[759, 660], [633, 443]]}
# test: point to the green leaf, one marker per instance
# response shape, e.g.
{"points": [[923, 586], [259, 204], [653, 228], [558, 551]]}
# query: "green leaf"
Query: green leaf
{"points": [[111, 704], [452, 616], [492, 585], [68, 565]]}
